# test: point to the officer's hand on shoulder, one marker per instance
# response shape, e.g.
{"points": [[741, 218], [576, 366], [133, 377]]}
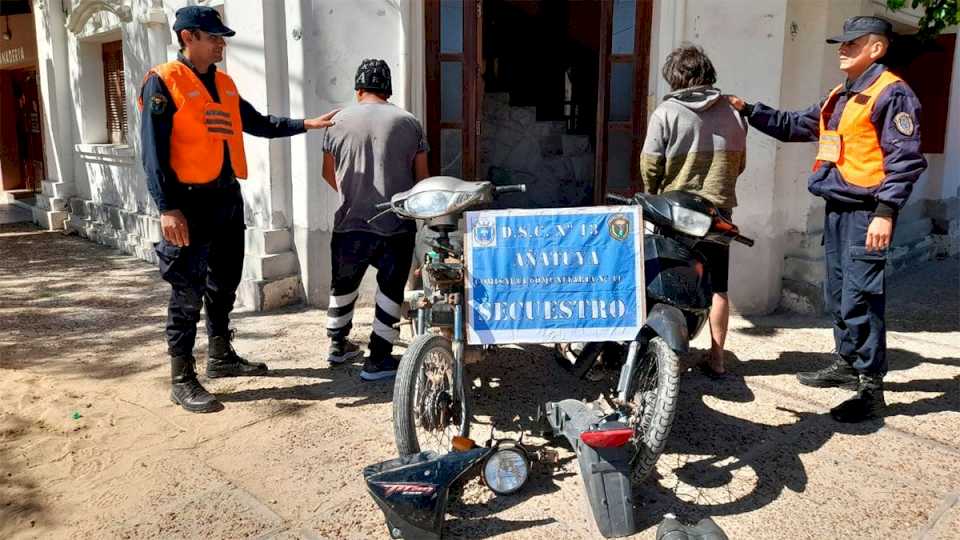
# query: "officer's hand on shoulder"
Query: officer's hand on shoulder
{"points": [[174, 227], [737, 103], [321, 121]]}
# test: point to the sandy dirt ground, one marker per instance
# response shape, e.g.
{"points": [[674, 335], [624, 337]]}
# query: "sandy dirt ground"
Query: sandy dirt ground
{"points": [[91, 447]]}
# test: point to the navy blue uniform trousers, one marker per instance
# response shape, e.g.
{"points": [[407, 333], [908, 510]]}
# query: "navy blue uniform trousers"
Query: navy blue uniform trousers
{"points": [[854, 289], [207, 272]]}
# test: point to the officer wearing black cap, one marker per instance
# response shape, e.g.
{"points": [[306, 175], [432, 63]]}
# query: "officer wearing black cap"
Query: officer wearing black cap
{"points": [[375, 151], [192, 124], [867, 163]]}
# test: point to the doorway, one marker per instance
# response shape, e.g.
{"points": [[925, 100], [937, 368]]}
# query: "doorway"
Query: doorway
{"points": [[21, 158], [547, 93]]}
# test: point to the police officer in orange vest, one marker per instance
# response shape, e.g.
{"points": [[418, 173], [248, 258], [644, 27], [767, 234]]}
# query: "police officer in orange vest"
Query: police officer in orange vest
{"points": [[192, 125], [867, 163]]}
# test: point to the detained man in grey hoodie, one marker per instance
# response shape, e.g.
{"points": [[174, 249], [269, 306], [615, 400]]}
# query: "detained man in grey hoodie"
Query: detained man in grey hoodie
{"points": [[697, 142]]}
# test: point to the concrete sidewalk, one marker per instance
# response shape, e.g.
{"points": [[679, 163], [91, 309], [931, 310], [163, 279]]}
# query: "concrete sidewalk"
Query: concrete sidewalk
{"points": [[90, 446]]}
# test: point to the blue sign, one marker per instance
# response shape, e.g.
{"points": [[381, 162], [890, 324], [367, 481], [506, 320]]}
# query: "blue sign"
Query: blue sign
{"points": [[554, 275]]}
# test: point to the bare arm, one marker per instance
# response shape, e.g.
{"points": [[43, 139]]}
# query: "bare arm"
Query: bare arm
{"points": [[330, 170], [420, 167]]}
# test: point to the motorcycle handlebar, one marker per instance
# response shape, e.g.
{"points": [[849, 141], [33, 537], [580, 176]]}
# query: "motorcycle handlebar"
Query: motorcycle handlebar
{"points": [[619, 198], [516, 188], [384, 206], [744, 240]]}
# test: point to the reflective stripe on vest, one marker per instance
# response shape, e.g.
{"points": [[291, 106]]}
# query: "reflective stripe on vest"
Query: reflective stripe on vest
{"points": [[201, 126], [854, 146]]}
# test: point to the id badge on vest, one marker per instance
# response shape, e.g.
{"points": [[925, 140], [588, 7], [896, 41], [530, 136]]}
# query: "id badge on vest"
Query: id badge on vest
{"points": [[831, 144]]}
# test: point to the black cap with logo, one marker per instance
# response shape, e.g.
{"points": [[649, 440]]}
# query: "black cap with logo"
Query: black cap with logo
{"points": [[202, 18], [856, 27]]}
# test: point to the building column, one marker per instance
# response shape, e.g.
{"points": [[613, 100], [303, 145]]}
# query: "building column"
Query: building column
{"points": [[271, 272], [52, 65]]}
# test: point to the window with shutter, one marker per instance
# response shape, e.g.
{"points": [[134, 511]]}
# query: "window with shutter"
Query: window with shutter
{"points": [[114, 92]]}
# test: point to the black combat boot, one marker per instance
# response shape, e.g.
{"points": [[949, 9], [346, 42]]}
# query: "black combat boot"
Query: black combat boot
{"points": [[840, 373], [223, 361], [187, 391], [866, 405]]}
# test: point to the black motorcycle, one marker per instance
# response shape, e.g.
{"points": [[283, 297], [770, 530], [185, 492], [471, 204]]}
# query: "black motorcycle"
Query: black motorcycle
{"points": [[679, 295]]}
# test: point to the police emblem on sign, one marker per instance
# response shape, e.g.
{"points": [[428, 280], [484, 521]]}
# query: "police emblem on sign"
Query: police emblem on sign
{"points": [[904, 123], [619, 227], [484, 233]]}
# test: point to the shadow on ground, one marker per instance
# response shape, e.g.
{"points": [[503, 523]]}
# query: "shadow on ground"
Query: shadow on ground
{"points": [[20, 495]]}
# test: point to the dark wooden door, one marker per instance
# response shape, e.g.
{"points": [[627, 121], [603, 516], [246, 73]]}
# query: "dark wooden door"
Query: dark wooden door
{"points": [[622, 94], [29, 132], [454, 85]]}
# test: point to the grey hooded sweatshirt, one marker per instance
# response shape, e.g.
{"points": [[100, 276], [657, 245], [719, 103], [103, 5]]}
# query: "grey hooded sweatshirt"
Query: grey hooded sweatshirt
{"points": [[696, 141]]}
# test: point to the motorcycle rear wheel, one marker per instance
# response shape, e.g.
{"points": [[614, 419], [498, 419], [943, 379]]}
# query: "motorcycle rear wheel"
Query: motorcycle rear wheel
{"points": [[654, 404], [430, 406]]}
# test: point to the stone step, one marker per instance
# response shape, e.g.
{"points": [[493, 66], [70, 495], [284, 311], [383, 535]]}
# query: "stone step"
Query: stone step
{"points": [[49, 219], [58, 189], [15, 194], [268, 267], [910, 232], [268, 241]]}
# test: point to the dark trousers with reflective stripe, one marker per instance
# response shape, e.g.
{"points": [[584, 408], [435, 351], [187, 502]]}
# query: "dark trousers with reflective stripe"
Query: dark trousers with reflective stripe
{"points": [[854, 289], [208, 271], [351, 254]]}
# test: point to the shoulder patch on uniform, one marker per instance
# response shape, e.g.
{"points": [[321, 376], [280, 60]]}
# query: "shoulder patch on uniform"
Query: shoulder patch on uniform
{"points": [[904, 123], [158, 104], [861, 99]]}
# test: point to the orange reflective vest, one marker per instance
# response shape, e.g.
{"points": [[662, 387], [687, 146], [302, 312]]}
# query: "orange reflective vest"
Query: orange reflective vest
{"points": [[854, 146], [201, 126]]}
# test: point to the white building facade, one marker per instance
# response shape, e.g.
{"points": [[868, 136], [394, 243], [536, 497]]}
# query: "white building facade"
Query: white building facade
{"points": [[297, 58]]}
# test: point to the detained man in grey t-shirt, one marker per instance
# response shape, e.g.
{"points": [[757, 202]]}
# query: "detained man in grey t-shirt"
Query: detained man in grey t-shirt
{"points": [[374, 151]]}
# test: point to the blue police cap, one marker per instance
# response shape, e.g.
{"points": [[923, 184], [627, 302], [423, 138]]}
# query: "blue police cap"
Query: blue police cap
{"points": [[856, 27], [202, 18]]}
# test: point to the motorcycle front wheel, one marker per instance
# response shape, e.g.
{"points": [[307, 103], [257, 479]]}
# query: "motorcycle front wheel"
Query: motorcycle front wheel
{"points": [[430, 406], [654, 404]]}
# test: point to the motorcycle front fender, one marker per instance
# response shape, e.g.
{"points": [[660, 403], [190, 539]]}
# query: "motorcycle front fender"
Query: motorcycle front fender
{"points": [[669, 323]]}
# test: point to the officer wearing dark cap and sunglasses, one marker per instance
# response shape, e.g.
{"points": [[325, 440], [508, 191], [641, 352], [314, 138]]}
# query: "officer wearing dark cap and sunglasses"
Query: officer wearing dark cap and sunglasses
{"points": [[867, 163], [192, 125]]}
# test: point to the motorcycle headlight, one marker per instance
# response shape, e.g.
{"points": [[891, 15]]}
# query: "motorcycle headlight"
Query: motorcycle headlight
{"points": [[690, 222], [430, 204], [506, 470]]}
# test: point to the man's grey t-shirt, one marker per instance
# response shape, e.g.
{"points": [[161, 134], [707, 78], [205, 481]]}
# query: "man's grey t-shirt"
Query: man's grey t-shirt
{"points": [[374, 145]]}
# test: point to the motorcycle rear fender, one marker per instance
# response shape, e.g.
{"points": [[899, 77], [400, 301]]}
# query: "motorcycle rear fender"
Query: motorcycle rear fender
{"points": [[669, 323]]}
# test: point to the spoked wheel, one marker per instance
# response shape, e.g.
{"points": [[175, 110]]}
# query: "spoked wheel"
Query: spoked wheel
{"points": [[430, 406], [654, 404]]}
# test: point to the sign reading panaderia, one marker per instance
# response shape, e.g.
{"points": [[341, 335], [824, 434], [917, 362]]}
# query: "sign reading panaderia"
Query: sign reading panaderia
{"points": [[555, 275]]}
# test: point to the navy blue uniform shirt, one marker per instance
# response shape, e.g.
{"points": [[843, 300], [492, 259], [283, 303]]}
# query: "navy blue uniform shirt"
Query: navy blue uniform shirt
{"points": [[156, 125], [902, 160]]}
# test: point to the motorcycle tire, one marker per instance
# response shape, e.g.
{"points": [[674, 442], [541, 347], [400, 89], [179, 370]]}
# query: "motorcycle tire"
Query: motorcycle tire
{"points": [[412, 409], [657, 404]]}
